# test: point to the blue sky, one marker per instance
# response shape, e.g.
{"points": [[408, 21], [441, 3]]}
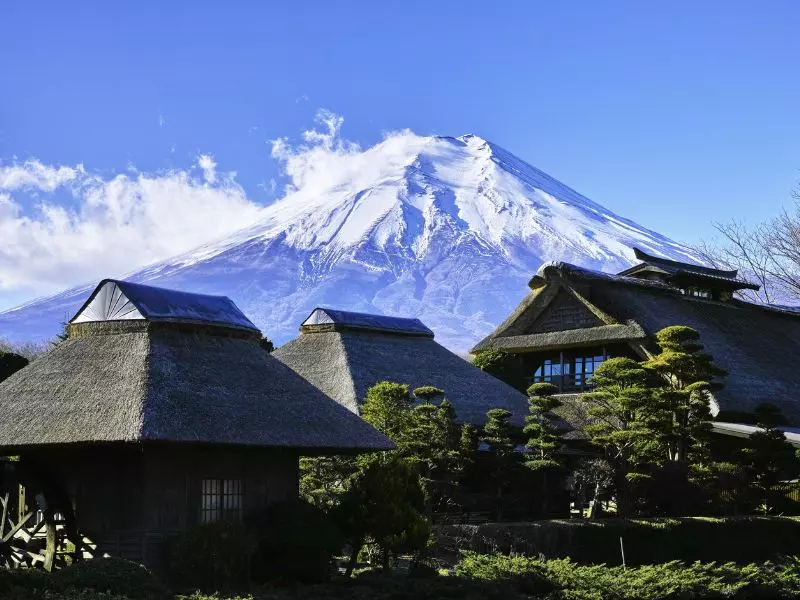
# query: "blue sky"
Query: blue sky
{"points": [[673, 115]]}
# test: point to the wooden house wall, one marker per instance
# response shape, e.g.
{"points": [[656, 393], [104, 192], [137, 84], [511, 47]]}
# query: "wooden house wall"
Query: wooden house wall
{"points": [[130, 500]]}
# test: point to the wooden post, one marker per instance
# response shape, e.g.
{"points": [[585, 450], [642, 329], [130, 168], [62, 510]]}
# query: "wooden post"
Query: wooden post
{"points": [[52, 543]]}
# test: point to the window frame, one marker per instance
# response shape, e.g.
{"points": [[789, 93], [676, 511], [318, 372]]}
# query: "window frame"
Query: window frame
{"points": [[221, 499]]}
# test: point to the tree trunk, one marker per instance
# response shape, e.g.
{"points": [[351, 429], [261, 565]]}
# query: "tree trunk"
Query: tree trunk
{"points": [[595, 503]]}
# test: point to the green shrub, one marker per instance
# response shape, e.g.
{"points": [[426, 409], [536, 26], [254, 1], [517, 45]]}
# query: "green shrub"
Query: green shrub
{"points": [[650, 541], [668, 580], [296, 542], [212, 556], [111, 575]]}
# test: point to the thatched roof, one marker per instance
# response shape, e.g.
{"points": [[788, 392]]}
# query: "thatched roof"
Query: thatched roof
{"points": [[345, 362], [158, 380], [753, 343]]}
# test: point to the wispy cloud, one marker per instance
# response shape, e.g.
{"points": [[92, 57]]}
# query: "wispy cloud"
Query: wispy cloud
{"points": [[209, 166], [301, 98], [120, 222]]}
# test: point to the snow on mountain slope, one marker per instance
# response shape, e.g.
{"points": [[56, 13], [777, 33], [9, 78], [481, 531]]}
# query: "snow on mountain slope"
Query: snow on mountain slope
{"points": [[445, 229]]}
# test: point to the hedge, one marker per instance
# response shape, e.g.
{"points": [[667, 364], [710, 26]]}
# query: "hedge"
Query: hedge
{"points": [[646, 541], [669, 580]]}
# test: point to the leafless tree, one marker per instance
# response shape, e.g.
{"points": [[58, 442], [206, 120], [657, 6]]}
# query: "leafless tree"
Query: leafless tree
{"points": [[767, 254]]}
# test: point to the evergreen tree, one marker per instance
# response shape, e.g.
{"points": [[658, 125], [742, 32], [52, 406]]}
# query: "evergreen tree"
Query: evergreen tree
{"points": [[387, 407], [432, 447], [619, 406], [543, 436], [266, 344], [497, 435], [385, 503], [323, 479], [769, 458], [10, 363], [503, 365], [427, 393], [681, 413]]}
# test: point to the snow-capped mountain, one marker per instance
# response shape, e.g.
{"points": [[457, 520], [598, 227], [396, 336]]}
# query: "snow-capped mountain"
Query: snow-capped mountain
{"points": [[445, 229]]}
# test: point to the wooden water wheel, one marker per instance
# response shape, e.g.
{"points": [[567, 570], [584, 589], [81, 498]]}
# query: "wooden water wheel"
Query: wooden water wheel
{"points": [[37, 521]]}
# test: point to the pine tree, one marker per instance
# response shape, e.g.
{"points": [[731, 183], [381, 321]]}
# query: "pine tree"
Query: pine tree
{"points": [[543, 436], [620, 406], [681, 414], [387, 407], [769, 457], [427, 393], [497, 435], [385, 503]]}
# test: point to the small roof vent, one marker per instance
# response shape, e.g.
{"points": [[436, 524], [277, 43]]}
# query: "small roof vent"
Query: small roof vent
{"points": [[325, 319]]}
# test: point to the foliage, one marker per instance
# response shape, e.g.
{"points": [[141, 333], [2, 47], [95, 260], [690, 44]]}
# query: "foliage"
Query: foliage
{"points": [[10, 363], [543, 435], [111, 575], [266, 344], [501, 364], [647, 541], [324, 478], [296, 541], [386, 504], [668, 580], [681, 412], [498, 436], [769, 458], [593, 478], [432, 448], [212, 555], [619, 404], [387, 407], [427, 392]]}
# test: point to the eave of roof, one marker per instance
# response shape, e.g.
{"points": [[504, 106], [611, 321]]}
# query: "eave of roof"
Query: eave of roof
{"points": [[630, 331]]}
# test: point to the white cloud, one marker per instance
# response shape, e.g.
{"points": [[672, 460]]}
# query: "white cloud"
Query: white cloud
{"points": [[209, 167], [32, 174], [120, 223]]}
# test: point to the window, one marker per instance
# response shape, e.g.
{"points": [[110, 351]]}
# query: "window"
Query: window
{"points": [[697, 293], [569, 373], [585, 367], [221, 500]]}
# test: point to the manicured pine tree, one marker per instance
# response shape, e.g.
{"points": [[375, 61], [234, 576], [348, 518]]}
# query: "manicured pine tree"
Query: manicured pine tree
{"points": [[387, 407], [619, 406], [543, 436], [769, 458], [686, 377], [385, 503], [498, 436]]}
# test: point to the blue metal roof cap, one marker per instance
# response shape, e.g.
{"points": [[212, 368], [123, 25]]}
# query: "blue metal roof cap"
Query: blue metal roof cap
{"points": [[124, 300], [367, 321]]}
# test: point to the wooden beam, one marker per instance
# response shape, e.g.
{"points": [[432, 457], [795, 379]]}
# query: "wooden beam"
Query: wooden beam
{"points": [[18, 526]]}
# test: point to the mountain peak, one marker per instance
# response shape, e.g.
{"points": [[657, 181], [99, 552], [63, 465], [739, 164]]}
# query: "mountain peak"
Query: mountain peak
{"points": [[440, 228]]}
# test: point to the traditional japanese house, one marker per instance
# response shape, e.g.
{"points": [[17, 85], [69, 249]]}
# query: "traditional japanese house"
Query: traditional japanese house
{"points": [[573, 319], [345, 353], [161, 410]]}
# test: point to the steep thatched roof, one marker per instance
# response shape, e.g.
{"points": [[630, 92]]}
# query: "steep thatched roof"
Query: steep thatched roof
{"points": [[754, 344], [158, 380], [344, 362]]}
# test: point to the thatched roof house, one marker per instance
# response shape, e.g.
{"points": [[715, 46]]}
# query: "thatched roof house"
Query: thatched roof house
{"points": [[161, 410], [345, 353], [573, 318]]}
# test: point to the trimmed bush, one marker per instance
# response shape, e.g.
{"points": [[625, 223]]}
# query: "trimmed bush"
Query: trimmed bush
{"points": [[112, 575], [652, 541], [669, 580], [296, 542], [213, 556]]}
